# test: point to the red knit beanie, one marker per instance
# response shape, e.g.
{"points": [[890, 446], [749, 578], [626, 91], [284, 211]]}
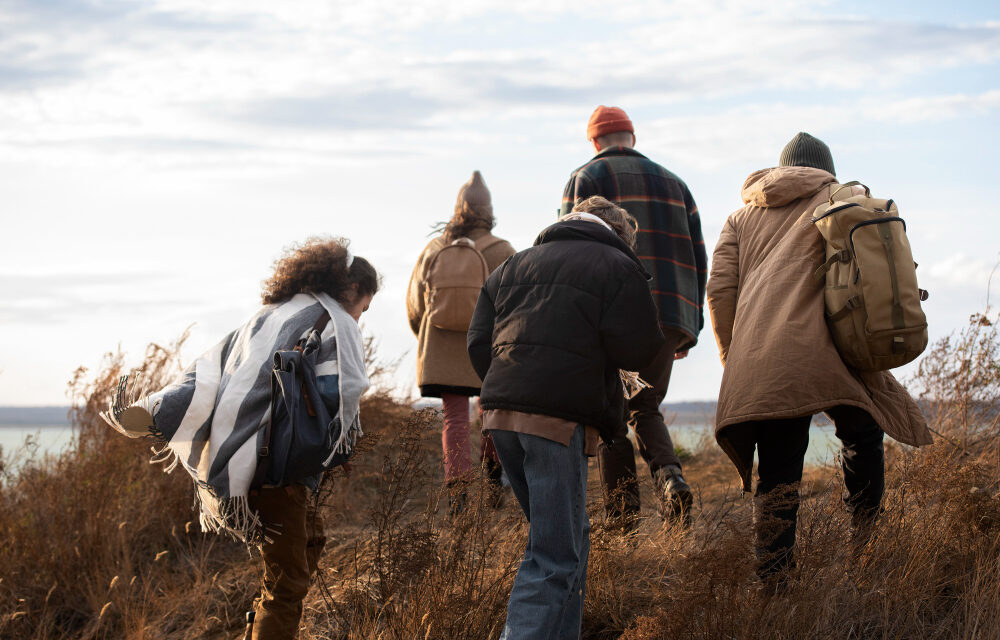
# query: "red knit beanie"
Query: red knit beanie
{"points": [[607, 120]]}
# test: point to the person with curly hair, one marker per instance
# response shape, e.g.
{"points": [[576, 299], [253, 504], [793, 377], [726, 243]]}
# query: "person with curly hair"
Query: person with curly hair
{"points": [[322, 265], [318, 266], [443, 367], [215, 420]]}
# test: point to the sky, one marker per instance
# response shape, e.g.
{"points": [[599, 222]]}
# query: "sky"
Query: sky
{"points": [[156, 157]]}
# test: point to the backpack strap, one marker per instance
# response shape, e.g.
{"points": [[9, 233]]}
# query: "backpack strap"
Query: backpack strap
{"points": [[319, 326], [321, 321], [468, 242], [495, 241], [300, 346], [840, 256], [852, 303], [836, 188]]}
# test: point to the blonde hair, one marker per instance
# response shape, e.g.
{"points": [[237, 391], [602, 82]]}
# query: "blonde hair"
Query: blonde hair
{"points": [[620, 220]]}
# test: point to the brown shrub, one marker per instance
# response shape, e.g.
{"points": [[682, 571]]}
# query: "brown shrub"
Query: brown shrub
{"points": [[397, 567], [98, 543]]}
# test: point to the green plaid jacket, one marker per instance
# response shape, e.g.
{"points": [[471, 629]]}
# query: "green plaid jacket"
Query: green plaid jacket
{"points": [[670, 243]]}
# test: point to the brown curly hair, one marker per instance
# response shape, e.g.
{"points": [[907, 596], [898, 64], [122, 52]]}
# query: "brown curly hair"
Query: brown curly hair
{"points": [[319, 265]]}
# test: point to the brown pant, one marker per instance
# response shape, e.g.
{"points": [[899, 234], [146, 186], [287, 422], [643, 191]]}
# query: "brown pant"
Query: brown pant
{"points": [[617, 459], [290, 559]]}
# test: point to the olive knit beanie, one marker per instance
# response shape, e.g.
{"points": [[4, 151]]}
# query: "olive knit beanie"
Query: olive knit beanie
{"points": [[475, 194], [806, 151]]}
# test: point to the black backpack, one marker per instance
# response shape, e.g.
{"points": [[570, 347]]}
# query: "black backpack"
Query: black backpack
{"points": [[299, 433]]}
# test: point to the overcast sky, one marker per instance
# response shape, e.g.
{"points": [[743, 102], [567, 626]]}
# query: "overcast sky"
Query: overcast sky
{"points": [[155, 157]]}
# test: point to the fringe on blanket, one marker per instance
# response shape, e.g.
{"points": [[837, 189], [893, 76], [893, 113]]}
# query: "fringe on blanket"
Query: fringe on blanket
{"points": [[122, 400], [231, 516], [632, 384], [347, 441]]}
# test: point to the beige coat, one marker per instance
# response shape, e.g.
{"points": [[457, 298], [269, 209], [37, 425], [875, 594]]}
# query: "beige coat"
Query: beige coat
{"points": [[442, 358], [767, 311]]}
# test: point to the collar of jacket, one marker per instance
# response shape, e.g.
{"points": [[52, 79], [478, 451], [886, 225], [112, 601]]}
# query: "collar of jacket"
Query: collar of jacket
{"points": [[589, 231], [618, 151]]}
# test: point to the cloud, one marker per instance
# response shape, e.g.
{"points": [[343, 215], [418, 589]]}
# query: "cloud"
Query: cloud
{"points": [[378, 108], [962, 270], [924, 108], [736, 135], [30, 72], [58, 298], [260, 84]]}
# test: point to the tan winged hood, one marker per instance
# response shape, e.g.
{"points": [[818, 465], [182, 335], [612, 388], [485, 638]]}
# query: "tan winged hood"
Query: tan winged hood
{"points": [[779, 186]]}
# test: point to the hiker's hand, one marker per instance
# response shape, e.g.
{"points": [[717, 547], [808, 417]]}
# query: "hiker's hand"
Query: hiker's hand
{"points": [[680, 355]]}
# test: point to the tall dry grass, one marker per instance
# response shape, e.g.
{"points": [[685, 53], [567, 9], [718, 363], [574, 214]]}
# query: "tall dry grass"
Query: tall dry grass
{"points": [[97, 543]]}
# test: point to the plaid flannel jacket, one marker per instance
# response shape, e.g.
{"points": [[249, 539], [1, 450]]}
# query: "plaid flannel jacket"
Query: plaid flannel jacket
{"points": [[670, 243]]}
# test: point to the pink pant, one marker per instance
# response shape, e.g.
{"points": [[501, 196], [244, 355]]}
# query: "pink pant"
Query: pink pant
{"points": [[455, 437]]}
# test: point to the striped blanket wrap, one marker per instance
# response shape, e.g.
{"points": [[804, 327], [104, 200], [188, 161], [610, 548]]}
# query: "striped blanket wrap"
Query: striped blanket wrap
{"points": [[211, 418]]}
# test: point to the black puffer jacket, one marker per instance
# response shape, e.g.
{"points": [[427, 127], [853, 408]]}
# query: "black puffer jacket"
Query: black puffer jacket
{"points": [[555, 322]]}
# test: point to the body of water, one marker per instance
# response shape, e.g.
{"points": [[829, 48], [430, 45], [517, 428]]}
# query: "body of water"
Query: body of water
{"points": [[823, 443], [19, 441]]}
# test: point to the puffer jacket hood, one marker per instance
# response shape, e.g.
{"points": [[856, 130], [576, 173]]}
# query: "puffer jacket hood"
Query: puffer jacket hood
{"points": [[779, 186], [584, 230]]}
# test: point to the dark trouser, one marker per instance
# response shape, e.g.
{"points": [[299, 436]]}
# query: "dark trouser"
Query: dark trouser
{"points": [[781, 450], [617, 460], [290, 559]]}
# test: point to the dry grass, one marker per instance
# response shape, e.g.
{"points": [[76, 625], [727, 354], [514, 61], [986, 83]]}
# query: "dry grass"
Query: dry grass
{"points": [[98, 544]]}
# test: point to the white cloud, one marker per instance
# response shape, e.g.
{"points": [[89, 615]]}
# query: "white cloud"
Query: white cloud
{"points": [[161, 144], [203, 82], [961, 270]]}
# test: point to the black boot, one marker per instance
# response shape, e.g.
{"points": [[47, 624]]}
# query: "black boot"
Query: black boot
{"points": [[674, 493], [248, 633]]}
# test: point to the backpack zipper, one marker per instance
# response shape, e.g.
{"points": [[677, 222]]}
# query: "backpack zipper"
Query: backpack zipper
{"points": [[835, 210], [865, 223]]}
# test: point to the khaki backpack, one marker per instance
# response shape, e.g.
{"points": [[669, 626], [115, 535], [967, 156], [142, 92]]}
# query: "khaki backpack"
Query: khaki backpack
{"points": [[872, 300], [454, 277]]}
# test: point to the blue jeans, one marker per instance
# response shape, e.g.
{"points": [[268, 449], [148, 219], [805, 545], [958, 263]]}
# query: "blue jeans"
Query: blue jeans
{"points": [[550, 483]]}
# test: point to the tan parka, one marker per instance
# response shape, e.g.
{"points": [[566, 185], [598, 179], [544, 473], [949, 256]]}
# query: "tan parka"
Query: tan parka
{"points": [[767, 311], [443, 364]]}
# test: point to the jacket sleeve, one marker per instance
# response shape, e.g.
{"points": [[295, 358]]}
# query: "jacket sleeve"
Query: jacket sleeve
{"points": [[579, 187], [415, 293], [630, 325], [724, 287], [480, 337], [700, 253]]}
